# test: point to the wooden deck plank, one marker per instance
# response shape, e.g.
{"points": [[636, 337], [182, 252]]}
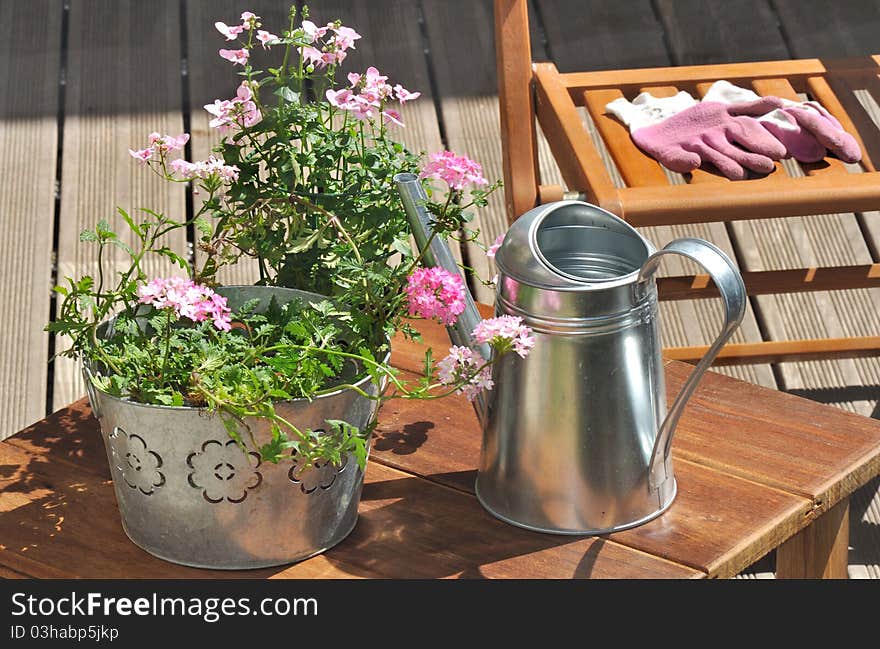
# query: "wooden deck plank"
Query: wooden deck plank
{"points": [[721, 31], [814, 28], [465, 74], [579, 30], [760, 449], [31, 37], [209, 77], [62, 521], [785, 243], [601, 35], [123, 82], [445, 447], [705, 541]]}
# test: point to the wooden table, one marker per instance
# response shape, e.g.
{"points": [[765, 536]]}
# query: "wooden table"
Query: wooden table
{"points": [[757, 470]]}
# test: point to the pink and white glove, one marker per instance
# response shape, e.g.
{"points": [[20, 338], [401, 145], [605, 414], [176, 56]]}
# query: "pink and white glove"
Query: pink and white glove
{"points": [[806, 129], [682, 134]]}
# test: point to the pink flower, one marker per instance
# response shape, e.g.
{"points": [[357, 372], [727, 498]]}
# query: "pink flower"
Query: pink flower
{"points": [[313, 56], [187, 299], [403, 95], [435, 293], [375, 85], [265, 37], [456, 171], [203, 169], [240, 111], [230, 32], [392, 117], [312, 31], [490, 253], [236, 56], [160, 146], [503, 333], [339, 98], [248, 19], [143, 156], [462, 365], [345, 38], [354, 79]]}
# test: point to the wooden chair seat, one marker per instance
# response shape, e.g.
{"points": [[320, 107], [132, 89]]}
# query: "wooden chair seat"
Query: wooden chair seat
{"points": [[530, 91]]}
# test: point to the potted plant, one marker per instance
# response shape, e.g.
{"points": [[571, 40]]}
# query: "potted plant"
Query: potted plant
{"points": [[237, 418]]}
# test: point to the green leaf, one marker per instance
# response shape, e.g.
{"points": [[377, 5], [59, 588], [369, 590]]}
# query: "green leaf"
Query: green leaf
{"points": [[287, 94], [402, 246], [203, 225], [130, 221]]}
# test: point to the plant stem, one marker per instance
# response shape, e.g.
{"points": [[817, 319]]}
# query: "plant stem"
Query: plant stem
{"points": [[167, 344]]}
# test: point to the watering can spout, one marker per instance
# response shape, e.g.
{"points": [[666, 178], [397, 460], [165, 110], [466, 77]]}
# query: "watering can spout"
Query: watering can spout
{"points": [[435, 252]]}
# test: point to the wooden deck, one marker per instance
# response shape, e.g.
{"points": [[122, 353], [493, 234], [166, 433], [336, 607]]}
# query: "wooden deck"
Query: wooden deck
{"points": [[86, 79]]}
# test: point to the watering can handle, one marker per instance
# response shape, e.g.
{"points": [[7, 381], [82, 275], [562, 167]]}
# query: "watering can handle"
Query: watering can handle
{"points": [[733, 294]]}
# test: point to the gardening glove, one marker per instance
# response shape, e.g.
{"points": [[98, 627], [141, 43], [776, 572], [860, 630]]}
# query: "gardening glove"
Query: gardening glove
{"points": [[806, 129], [683, 134]]}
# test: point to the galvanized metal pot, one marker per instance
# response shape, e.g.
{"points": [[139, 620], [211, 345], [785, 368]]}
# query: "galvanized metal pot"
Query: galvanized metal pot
{"points": [[188, 494], [576, 436]]}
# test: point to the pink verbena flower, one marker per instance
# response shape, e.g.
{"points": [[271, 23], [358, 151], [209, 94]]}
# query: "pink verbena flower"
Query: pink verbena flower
{"points": [[265, 38], [462, 365], [456, 171], [203, 169], [239, 57], [231, 32], [503, 333], [187, 299], [435, 293], [493, 249]]}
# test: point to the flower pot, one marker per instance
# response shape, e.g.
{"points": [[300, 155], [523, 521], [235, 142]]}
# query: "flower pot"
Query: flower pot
{"points": [[189, 494]]}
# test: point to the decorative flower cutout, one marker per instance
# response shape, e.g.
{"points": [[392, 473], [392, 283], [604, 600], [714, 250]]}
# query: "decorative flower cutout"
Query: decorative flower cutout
{"points": [[318, 475], [223, 471], [138, 465]]}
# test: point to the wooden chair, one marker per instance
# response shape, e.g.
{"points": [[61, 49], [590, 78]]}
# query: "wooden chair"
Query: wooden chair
{"points": [[530, 90]]}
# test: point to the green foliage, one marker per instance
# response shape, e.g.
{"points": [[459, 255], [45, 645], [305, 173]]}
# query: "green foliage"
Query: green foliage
{"points": [[313, 201]]}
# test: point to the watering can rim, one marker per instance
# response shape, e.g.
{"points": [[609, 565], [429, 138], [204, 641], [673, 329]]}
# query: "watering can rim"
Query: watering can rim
{"points": [[544, 274]]}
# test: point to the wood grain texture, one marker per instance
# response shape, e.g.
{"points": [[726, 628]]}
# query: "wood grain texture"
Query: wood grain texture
{"points": [[519, 145], [29, 69], [721, 31], [209, 77], [814, 451], [688, 322], [61, 520], [719, 534], [464, 70], [123, 82], [597, 35], [829, 29], [827, 240], [820, 551]]}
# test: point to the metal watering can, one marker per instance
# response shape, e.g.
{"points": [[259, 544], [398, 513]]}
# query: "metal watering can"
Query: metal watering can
{"points": [[576, 436]]}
